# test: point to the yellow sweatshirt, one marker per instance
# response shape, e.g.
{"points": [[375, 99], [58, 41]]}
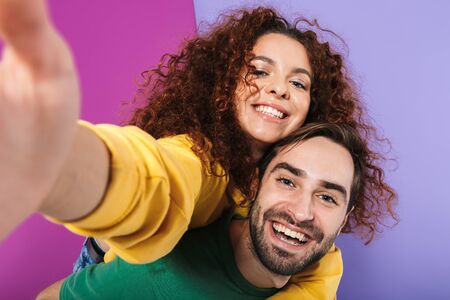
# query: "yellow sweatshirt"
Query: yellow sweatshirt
{"points": [[157, 190]]}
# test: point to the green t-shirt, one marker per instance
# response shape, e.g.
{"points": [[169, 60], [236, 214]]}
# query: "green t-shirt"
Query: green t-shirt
{"points": [[201, 266]]}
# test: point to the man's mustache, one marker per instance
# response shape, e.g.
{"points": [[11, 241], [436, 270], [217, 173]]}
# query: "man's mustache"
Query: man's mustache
{"points": [[307, 226]]}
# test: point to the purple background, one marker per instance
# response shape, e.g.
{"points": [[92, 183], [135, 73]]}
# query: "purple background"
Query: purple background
{"points": [[399, 56]]}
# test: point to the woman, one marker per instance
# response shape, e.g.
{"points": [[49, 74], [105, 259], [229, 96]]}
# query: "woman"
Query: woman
{"points": [[211, 112]]}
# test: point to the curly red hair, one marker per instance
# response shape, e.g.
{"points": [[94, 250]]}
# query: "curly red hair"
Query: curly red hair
{"points": [[192, 92]]}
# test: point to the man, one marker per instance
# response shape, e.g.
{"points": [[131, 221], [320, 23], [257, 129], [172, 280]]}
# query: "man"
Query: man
{"points": [[310, 182]]}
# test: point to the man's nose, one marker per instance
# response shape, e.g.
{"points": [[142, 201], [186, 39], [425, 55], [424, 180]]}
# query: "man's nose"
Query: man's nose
{"points": [[302, 209]]}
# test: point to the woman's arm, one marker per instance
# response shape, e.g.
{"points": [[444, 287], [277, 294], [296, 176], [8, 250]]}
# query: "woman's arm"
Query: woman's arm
{"points": [[47, 162], [82, 181], [116, 183]]}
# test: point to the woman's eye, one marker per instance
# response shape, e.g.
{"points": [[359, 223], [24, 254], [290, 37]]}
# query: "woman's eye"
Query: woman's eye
{"points": [[286, 181], [259, 73], [298, 84], [328, 199]]}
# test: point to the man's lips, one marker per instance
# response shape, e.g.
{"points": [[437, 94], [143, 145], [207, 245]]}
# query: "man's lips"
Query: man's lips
{"points": [[288, 236], [291, 231]]}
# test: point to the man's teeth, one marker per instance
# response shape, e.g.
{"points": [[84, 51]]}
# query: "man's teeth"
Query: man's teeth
{"points": [[270, 111], [290, 233]]}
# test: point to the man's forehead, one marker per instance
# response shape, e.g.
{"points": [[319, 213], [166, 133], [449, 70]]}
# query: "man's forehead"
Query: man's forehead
{"points": [[319, 158]]}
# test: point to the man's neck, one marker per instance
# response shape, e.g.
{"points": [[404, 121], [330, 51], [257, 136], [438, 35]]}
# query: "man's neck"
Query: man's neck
{"points": [[248, 262]]}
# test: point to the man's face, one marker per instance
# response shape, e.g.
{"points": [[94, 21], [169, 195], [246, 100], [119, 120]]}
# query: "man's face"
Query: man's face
{"points": [[301, 205]]}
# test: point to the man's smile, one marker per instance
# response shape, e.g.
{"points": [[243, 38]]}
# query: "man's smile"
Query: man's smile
{"points": [[288, 235], [288, 238]]}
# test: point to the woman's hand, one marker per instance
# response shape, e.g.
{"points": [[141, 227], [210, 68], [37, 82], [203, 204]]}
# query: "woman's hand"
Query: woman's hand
{"points": [[39, 106]]}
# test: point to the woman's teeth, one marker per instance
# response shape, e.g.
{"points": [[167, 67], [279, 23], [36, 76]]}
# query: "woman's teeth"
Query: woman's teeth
{"points": [[270, 111]]}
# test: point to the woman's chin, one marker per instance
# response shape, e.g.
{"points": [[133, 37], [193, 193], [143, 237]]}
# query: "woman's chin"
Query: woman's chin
{"points": [[260, 145]]}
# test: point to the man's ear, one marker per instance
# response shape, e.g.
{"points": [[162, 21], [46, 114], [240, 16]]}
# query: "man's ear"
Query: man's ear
{"points": [[345, 219]]}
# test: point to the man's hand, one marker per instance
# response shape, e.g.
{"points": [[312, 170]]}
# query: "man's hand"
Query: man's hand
{"points": [[39, 104], [52, 292]]}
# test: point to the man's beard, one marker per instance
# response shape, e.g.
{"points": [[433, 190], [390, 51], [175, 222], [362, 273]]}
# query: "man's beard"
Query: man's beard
{"points": [[277, 260]]}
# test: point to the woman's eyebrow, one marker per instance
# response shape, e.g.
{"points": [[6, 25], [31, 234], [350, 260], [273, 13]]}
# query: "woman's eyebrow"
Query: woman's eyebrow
{"points": [[272, 62], [302, 71], [264, 58]]}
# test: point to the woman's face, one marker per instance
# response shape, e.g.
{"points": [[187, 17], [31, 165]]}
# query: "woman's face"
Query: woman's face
{"points": [[281, 103]]}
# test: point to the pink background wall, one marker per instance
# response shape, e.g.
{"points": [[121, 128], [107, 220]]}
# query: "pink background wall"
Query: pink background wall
{"points": [[113, 42]]}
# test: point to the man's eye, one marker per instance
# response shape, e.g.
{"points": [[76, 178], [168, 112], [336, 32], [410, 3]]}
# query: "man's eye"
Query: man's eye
{"points": [[286, 181], [298, 85], [328, 199]]}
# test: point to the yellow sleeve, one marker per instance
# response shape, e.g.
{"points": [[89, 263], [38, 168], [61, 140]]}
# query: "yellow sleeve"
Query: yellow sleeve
{"points": [[156, 188], [317, 282]]}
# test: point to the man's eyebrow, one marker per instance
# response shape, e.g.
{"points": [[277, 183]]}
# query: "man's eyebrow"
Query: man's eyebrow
{"points": [[334, 186], [272, 62], [301, 173], [285, 166]]}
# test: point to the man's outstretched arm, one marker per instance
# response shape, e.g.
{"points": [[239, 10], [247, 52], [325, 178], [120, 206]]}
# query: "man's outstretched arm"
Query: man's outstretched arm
{"points": [[52, 292]]}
